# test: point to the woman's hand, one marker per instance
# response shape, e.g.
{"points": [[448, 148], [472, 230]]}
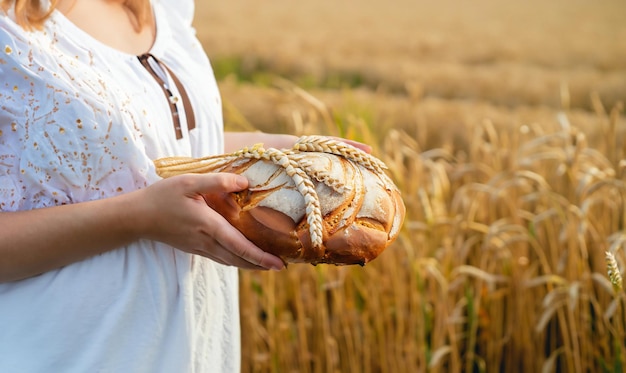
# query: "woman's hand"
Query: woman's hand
{"points": [[175, 212]]}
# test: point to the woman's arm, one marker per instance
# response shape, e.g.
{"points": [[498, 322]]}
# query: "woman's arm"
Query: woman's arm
{"points": [[172, 211]]}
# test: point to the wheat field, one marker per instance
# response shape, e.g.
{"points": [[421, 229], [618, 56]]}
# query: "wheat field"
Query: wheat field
{"points": [[503, 125]]}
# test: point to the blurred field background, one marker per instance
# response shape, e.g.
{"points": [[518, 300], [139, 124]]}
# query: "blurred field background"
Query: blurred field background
{"points": [[502, 123]]}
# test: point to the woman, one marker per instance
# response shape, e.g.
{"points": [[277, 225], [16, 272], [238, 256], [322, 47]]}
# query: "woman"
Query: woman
{"points": [[103, 266]]}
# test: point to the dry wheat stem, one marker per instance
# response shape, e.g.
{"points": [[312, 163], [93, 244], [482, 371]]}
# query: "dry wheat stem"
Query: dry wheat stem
{"points": [[613, 271]]}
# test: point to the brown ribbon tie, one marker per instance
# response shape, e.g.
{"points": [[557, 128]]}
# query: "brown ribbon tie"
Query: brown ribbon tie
{"points": [[171, 98]]}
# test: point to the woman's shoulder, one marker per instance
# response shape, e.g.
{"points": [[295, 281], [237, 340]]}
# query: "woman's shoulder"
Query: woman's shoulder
{"points": [[23, 57], [28, 49], [52, 54], [13, 38]]}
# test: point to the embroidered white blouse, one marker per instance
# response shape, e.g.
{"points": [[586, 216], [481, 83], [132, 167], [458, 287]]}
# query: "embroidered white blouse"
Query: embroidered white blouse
{"points": [[81, 121]]}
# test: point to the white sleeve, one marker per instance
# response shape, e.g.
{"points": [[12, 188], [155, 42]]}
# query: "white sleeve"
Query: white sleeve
{"points": [[61, 141]]}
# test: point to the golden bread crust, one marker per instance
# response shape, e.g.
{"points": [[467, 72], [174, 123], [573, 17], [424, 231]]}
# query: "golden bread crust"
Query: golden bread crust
{"points": [[321, 202]]}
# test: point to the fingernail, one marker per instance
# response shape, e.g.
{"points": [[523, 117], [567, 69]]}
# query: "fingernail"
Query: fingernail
{"points": [[241, 181]]}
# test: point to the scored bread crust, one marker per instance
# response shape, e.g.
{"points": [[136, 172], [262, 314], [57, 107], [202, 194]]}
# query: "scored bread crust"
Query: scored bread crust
{"points": [[323, 201]]}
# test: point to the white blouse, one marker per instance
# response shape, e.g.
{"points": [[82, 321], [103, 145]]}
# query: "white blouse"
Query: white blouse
{"points": [[80, 121]]}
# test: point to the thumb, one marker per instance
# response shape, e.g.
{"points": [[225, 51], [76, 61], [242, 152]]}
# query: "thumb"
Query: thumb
{"points": [[220, 182]]}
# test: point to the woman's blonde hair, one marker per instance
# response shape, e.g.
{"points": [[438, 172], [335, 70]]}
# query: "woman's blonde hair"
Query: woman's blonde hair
{"points": [[31, 14]]}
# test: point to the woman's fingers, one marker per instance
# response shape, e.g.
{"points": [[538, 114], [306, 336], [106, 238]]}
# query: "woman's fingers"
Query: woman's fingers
{"points": [[215, 252], [242, 248], [217, 238]]}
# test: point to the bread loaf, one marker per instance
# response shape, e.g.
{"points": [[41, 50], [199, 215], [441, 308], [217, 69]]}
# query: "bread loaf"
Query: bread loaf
{"points": [[323, 201]]}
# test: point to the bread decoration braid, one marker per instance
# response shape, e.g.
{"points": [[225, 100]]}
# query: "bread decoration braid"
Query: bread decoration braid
{"points": [[322, 201]]}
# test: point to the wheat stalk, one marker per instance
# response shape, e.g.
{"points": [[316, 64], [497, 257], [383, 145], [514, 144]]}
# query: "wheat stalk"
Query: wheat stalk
{"points": [[613, 271]]}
